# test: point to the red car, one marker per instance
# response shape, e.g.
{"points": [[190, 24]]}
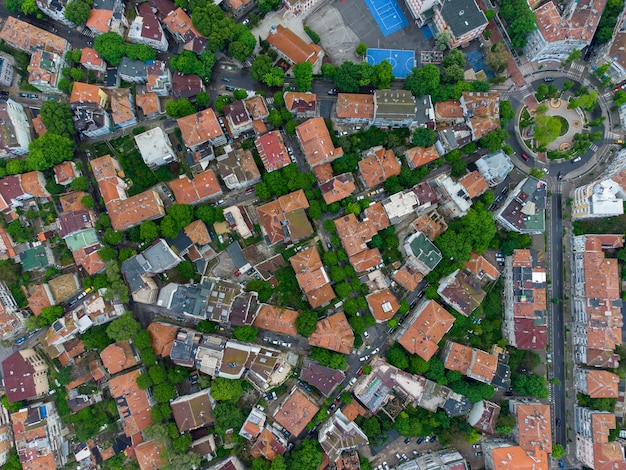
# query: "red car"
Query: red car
{"points": [[360, 371], [525, 157]]}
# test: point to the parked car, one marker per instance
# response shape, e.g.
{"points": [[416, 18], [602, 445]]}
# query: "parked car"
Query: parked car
{"points": [[398, 456], [4, 93], [548, 79], [225, 79], [360, 371], [366, 334], [332, 91], [476, 446], [353, 380], [375, 351], [478, 454], [229, 88], [20, 340], [525, 157], [420, 440], [407, 440]]}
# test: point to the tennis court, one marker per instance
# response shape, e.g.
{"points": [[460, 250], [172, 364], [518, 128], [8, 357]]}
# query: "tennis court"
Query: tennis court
{"points": [[388, 15], [402, 62]]}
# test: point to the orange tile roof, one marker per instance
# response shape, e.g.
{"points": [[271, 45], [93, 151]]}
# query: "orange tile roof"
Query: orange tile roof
{"points": [[179, 22], [485, 107], [601, 425], [315, 140], [323, 172], [353, 234], [445, 110], [163, 337], [292, 46], [121, 106], [97, 370], [26, 37], [427, 330], [338, 188], [480, 267], [296, 412], [267, 445], [129, 212], [602, 384], [132, 402], [474, 183], [91, 57], [581, 26], [38, 125], [203, 186], [89, 259], [459, 358], [256, 107], [352, 410], [148, 102], [431, 224], [408, 277], [7, 241], [380, 165], [513, 458], [85, 93], [105, 167], [534, 427], [65, 172], [278, 319], [294, 98], [118, 356], [151, 455], [197, 232], [273, 215], [200, 127], [100, 20], [38, 72], [312, 277], [272, 150], [484, 366], [355, 106], [376, 216], [420, 156], [609, 456], [33, 183], [334, 333], [39, 300], [383, 304]]}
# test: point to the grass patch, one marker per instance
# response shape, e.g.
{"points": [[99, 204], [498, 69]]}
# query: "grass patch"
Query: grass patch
{"points": [[600, 225], [564, 125]]}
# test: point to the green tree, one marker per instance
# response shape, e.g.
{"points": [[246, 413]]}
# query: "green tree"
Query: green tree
{"points": [[586, 101], [81, 183], [186, 269], [265, 6], [423, 137], [498, 57], [48, 150], [181, 443], [123, 328], [29, 7], [396, 356], [15, 7], [557, 451], [179, 108], [227, 416], [306, 323], [226, 389], [246, 333], [493, 140], [307, 455], [619, 98], [149, 231], [57, 117], [506, 112], [361, 50], [111, 47], [50, 314], [164, 392], [144, 381], [206, 213], [547, 129], [382, 76], [157, 374], [169, 227], [303, 74], [18, 232], [182, 214], [88, 201], [347, 77], [112, 237], [423, 81], [442, 40], [520, 20], [142, 340], [203, 99]]}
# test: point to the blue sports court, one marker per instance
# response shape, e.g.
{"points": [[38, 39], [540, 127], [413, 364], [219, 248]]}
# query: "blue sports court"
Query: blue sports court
{"points": [[402, 62], [388, 15]]}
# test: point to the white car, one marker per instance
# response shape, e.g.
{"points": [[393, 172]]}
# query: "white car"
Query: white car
{"points": [[375, 351], [366, 334], [362, 358], [353, 380]]}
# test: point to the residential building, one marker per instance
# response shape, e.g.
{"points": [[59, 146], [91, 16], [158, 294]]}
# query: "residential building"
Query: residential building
{"points": [[474, 184], [204, 186], [312, 277], [192, 411], [237, 119], [613, 53], [596, 300], [186, 86], [6, 436], [421, 10], [98, 309], [118, 357], [408, 277], [12, 320], [231, 463], [376, 165], [322, 378], [296, 412], [495, 167], [316, 143], [285, 219], [425, 115], [122, 107], [237, 169], [25, 37], [239, 220], [256, 107], [500, 455], [420, 156], [205, 447], [133, 404], [272, 150], [137, 270], [159, 77], [385, 383], [292, 48], [108, 16], [149, 104], [91, 60], [454, 199], [337, 188], [269, 444], [356, 109], [339, 434], [461, 291], [39, 436], [200, 128], [334, 333], [132, 71], [239, 7], [181, 27], [481, 110], [524, 210], [38, 126], [44, 70], [151, 455], [278, 319], [448, 113], [89, 116], [54, 9], [443, 459], [593, 447], [383, 304], [65, 173], [163, 336], [146, 29], [558, 34], [253, 425], [481, 268], [476, 364], [6, 71], [421, 253], [463, 20], [417, 199], [534, 428], [125, 212], [423, 330], [451, 138], [525, 324], [25, 375], [394, 108], [596, 383], [301, 105], [15, 135], [299, 7], [484, 416], [155, 148]]}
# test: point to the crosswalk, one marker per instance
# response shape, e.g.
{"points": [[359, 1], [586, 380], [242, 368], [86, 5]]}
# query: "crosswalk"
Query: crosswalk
{"points": [[610, 135], [89, 33], [577, 67], [269, 100], [593, 147]]}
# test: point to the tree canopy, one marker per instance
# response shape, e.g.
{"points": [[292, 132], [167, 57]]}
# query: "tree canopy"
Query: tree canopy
{"points": [[78, 11], [226, 389], [57, 117], [520, 19], [123, 328], [49, 150], [547, 129], [307, 455]]}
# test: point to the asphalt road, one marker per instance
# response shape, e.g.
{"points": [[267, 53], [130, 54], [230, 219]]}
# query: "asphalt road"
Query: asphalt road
{"points": [[557, 327]]}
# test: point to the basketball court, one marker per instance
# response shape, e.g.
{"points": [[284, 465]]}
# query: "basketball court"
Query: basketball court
{"points": [[388, 15], [402, 62]]}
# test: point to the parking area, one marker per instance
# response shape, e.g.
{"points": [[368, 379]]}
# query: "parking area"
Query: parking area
{"points": [[400, 447]]}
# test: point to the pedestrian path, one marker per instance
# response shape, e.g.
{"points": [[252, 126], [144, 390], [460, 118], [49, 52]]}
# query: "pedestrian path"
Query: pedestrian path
{"points": [[578, 67]]}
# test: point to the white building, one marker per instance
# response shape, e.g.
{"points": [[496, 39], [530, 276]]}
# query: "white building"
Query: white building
{"points": [[6, 69], [338, 435], [454, 200], [495, 167], [155, 148], [16, 134]]}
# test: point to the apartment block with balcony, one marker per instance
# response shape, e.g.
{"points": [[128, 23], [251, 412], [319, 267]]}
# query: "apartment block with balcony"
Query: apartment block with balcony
{"points": [[462, 19]]}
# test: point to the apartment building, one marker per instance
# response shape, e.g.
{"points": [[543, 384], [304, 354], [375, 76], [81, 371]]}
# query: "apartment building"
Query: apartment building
{"points": [[462, 19]]}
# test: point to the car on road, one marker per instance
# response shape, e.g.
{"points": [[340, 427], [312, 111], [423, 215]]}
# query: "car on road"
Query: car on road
{"points": [[353, 380], [366, 334], [558, 422], [478, 454], [375, 351], [229, 88], [332, 91], [476, 446], [545, 171], [548, 79], [560, 175], [225, 79], [576, 160], [525, 157], [4, 93], [360, 371], [20, 340], [561, 464]]}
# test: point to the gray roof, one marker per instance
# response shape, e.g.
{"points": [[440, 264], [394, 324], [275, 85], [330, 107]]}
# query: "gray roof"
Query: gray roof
{"points": [[132, 68], [394, 104], [462, 16], [191, 299], [234, 250], [160, 257], [132, 272]]}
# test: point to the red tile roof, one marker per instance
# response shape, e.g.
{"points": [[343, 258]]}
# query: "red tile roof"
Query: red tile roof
{"points": [[118, 356], [292, 46], [278, 319], [378, 166], [315, 140], [204, 186], [383, 304], [200, 127], [338, 188], [427, 330], [272, 151], [132, 403], [163, 337], [312, 277], [334, 333], [296, 412], [151, 455]]}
